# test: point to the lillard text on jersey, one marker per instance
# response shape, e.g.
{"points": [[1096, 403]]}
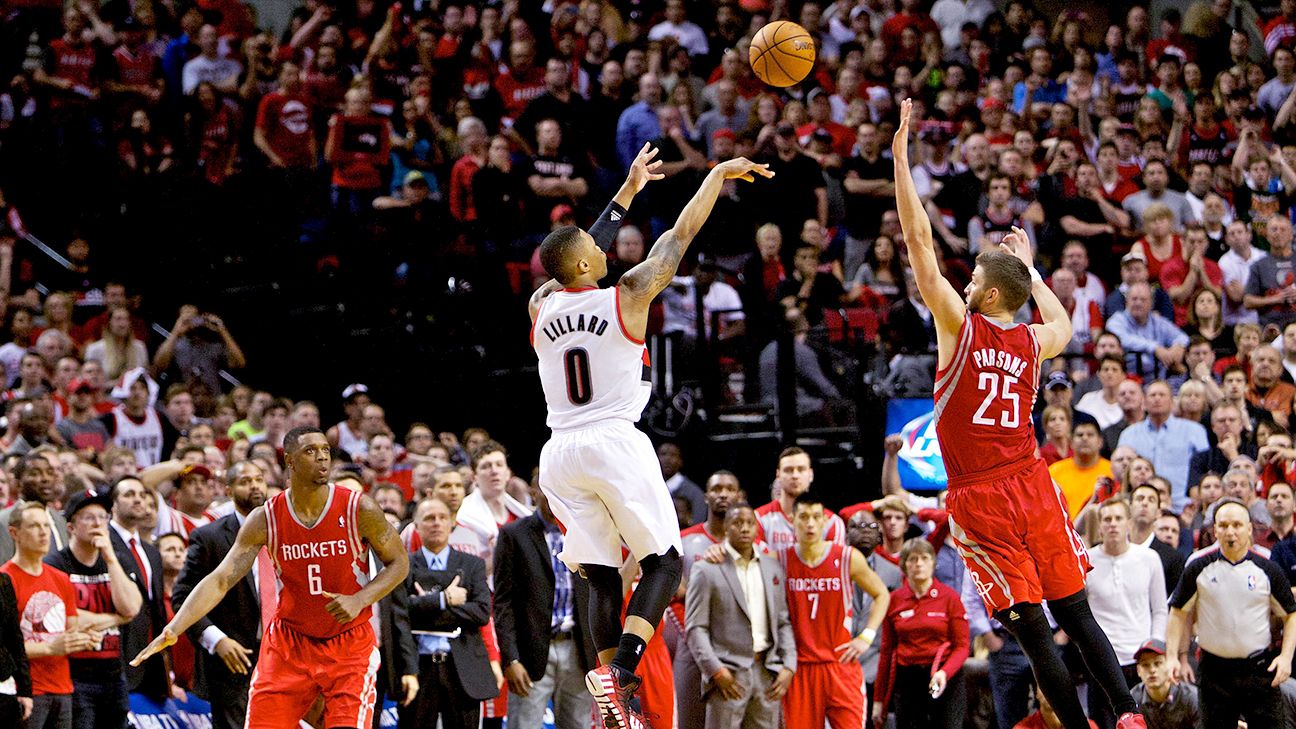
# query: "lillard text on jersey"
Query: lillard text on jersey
{"points": [[565, 325]]}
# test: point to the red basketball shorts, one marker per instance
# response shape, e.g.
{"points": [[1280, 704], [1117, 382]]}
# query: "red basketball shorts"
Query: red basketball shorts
{"points": [[1011, 528], [294, 669], [825, 691]]}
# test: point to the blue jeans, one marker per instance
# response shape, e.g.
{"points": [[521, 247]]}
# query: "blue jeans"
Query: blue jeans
{"points": [[1011, 682], [100, 704]]}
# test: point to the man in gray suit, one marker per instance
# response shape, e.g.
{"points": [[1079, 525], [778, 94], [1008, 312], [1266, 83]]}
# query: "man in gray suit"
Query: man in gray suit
{"points": [[737, 626]]}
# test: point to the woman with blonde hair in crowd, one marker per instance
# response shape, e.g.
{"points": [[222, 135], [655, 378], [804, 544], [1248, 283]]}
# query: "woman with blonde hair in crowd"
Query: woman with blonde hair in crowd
{"points": [[1057, 434], [1192, 402], [58, 314], [118, 350]]}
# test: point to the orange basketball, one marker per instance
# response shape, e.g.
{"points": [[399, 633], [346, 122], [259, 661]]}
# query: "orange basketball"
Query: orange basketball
{"points": [[782, 53]]}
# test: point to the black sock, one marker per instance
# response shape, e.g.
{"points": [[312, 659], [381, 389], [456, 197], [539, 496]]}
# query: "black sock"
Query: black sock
{"points": [[629, 652], [1076, 618], [1028, 625]]}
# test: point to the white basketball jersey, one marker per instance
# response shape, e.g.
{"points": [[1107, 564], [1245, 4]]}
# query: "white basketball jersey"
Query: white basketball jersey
{"points": [[591, 369], [348, 440], [144, 439]]}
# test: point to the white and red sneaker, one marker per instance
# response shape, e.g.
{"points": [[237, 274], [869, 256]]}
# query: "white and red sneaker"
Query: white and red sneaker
{"points": [[613, 689], [1130, 720]]}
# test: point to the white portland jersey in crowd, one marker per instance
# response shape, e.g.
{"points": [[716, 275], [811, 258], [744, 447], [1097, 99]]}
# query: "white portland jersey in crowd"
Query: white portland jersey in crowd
{"points": [[143, 439], [591, 369]]}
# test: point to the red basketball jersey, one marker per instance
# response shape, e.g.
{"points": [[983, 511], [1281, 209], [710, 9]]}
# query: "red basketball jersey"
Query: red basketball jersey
{"points": [[985, 396], [819, 603], [328, 556]]}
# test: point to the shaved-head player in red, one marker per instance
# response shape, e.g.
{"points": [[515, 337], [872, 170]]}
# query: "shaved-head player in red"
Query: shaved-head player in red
{"points": [[1006, 515], [318, 641]]}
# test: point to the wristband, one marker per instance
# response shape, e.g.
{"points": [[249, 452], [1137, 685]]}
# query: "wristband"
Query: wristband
{"points": [[1035, 275], [604, 230], [868, 634]]}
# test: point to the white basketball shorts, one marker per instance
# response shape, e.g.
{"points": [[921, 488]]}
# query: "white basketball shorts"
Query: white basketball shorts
{"points": [[604, 484]]}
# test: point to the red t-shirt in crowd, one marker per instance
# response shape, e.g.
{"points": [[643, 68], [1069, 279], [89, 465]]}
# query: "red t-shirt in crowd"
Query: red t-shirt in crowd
{"points": [[285, 120], [76, 64], [362, 145], [136, 68], [1175, 271], [402, 475], [517, 89], [45, 602], [461, 196]]}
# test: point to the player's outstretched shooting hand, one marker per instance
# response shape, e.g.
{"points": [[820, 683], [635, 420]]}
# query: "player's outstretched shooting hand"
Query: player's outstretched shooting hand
{"points": [[343, 608], [741, 168], [165, 639], [644, 168], [1018, 244]]}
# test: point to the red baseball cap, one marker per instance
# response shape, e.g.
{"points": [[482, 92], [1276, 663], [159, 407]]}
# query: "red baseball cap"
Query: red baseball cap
{"points": [[197, 468], [77, 385]]}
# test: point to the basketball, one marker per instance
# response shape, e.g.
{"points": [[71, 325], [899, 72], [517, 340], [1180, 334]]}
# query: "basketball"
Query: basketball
{"points": [[782, 53]]}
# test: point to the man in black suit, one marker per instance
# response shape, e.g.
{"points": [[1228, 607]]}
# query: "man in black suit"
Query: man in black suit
{"points": [[449, 604], [143, 564], [229, 636], [540, 614], [17, 706]]}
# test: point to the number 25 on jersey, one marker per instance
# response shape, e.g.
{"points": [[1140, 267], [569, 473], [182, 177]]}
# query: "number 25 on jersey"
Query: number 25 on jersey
{"points": [[999, 399]]}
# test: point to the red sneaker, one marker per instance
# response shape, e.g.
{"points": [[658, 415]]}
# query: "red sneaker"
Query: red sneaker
{"points": [[1131, 721], [612, 690]]}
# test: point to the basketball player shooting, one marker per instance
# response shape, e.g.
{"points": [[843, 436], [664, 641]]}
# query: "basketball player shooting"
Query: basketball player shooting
{"points": [[319, 642], [599, 472], [1007, 516]]}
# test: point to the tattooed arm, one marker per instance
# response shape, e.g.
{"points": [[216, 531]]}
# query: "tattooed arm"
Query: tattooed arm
{"points": [[641, 284]]}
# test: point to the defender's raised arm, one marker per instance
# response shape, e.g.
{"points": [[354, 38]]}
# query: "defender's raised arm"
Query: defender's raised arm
{"points": [[945, 303]]}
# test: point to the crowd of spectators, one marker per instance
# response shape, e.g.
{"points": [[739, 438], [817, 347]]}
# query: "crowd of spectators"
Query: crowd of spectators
{"points": [[1151, 160]]}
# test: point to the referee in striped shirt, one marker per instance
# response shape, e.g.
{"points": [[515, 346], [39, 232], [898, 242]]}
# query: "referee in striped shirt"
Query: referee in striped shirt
{"points": [[1235, 590]]}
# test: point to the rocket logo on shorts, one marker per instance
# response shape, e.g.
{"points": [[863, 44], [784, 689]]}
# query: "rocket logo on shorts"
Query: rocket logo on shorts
{"points": [[983, 587]]}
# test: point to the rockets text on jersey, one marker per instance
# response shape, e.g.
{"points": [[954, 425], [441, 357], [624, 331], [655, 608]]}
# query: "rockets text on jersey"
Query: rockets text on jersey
{"points": [[985, 395], [591, 368], [774, 527], [820, 602], [325, 557]]}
